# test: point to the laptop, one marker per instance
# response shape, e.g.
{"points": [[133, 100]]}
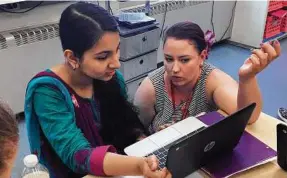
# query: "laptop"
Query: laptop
{"points": [[190, 144]]}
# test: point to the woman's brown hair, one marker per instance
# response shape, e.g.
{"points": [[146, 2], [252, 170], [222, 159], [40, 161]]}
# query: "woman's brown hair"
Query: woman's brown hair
{"points": [[9, 134]]}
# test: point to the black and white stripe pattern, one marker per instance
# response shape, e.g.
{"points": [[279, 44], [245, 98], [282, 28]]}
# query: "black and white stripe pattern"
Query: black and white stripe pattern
{"points": [[163, 106]]}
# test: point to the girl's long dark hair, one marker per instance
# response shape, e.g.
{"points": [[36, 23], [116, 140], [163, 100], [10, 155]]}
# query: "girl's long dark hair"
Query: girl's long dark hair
{"points": [[81, 26], [121, 125]]}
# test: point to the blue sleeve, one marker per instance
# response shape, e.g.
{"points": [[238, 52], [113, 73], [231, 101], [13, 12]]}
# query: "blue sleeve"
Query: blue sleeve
{"points": [[58, 125]]}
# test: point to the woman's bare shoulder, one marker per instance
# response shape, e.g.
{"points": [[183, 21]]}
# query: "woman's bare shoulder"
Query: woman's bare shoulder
{"points": [[145, 94]]}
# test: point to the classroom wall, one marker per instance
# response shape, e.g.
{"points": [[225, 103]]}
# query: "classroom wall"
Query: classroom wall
{"points": [[50, 53]]}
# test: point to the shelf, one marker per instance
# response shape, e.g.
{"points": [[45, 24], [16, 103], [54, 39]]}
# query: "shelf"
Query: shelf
{"points": [[280, 36]]}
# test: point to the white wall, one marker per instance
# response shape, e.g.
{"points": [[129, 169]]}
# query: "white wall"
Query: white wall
{"points": [[249, 22], [201, 14], [39, 15]]}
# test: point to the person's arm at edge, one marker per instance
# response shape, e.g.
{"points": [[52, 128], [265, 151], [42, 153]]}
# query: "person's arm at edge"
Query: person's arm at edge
{"points": [[231, 96]]}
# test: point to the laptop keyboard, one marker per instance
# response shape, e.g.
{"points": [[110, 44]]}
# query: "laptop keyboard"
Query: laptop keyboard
{"points": [[161, 153]]}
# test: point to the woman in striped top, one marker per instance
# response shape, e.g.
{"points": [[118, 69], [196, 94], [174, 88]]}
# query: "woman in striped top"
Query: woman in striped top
{"points": [[187, 85]]}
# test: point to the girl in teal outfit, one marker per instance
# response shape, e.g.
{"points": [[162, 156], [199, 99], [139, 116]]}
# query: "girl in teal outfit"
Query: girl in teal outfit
{"points": [[78, 115]]}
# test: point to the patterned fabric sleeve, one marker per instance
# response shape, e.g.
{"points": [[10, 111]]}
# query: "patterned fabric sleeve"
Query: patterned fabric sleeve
{"points": [[91, 160], [59, 127]]}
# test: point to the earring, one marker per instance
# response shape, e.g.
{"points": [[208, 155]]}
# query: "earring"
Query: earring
{"points": [[74, 67]]}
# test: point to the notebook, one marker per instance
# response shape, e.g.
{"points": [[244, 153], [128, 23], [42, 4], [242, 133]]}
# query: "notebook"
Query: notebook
{"points": [[249, 152]]}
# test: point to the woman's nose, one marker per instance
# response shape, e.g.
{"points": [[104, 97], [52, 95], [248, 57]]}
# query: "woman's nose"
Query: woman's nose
{"points": [[175, 67], [115, 63]]}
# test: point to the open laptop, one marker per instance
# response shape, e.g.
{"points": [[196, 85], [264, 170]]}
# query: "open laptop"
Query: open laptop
{"points": [[189, 144]]}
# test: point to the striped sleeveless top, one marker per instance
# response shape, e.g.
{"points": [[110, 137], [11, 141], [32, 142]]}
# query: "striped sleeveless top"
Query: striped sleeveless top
{"points": [[164, 107]]}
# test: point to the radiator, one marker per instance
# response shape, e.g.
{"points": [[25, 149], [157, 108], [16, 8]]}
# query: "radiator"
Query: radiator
{"points": [[23, 53]]}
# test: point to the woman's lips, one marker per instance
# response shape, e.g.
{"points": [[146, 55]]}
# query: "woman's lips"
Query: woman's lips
{"points": [[111, 73], [176, 78]]}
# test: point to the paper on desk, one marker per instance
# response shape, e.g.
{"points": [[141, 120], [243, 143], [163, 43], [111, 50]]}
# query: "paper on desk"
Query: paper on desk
{"points": [[243, 170], [125, 16], [134, 17]]}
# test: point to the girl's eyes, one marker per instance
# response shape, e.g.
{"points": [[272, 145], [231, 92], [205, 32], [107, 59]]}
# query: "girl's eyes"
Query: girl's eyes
{"points": [[168, 59], [184, 60], [102, 58]]}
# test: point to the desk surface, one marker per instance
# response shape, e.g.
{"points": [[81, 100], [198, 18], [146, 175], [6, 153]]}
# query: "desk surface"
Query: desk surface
{"points": [[265, 130]]}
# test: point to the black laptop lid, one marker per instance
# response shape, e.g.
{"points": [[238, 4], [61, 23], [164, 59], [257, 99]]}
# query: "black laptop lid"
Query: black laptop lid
{"points": [[194, 152]]}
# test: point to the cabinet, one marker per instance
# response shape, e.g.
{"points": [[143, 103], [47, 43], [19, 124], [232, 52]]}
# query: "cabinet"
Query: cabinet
{"points": [[139, 65], [138, 54]]}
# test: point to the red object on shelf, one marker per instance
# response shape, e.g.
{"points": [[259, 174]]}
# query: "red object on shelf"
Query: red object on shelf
{"points": [[275, 5], [274, 22], [284, 21], [284, 3]]}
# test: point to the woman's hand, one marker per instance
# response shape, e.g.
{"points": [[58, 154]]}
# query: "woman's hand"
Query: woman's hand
{"points": [[164, 126], [141, 137], [153, 164], [149, 168], [259, 60], [171, 123]]}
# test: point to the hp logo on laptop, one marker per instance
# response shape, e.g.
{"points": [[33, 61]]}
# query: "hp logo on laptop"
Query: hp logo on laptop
{"points": [[209, 146]]}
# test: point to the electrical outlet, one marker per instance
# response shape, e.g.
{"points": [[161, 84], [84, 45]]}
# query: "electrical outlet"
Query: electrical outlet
{"points": [[24, 5], [11, 6]]}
